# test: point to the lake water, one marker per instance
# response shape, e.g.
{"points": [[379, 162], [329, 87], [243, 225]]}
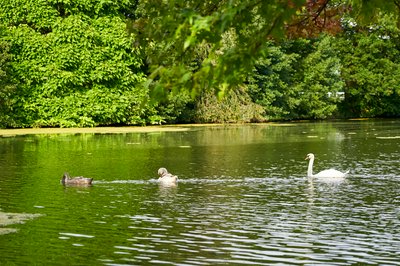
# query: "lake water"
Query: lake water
{"points": [[243, 197]]}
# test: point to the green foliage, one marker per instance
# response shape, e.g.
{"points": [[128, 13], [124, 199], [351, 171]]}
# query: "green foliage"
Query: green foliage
{"points": [[84, 63], [175, 108], [320, 82], [91, 8], [7, 88], [34, 14], [270, 83], [369, 12], [297, 80], [84, 71], [91, 108], [235, 106], [371, 61], [173, 32]]}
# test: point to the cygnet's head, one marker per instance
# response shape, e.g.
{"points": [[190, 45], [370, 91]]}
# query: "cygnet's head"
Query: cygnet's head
{"points": [[162, 171]]}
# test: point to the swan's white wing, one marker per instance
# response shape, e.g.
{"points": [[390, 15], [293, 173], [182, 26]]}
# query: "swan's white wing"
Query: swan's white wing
{"points": [[330, 173], [168, 180]]}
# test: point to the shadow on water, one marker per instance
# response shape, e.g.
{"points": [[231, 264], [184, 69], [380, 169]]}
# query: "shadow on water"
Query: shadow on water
{"points": [[242, 198]]}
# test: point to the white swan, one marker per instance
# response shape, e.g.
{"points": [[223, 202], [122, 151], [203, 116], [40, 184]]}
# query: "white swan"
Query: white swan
{"points": [[166, 179], [330, 173]]}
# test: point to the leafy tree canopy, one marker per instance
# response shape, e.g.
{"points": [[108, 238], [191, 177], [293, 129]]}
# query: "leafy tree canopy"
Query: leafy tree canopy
{"points": [[371, 68], [74, 63], [197, 45], [6, 85], [84, 62]]}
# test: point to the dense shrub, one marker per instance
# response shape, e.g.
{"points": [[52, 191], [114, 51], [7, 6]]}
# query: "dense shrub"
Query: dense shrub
{"points": [[74, 65], [234, 106], [7, 89]]}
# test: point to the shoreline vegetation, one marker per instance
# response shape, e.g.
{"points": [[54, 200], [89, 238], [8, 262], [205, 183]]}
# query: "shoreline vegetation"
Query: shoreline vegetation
{"points": [[78, 64], [12, 132], [120, 130]]}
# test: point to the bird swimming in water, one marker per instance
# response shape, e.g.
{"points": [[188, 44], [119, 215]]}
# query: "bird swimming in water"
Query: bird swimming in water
{"points": [[330, 173], [76, 181], [166, 178]]}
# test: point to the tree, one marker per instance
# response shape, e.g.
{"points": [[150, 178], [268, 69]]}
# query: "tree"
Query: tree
{"points": [[371, 68], [174, 30], [321, 81], [75, 63], [271, 83], [298, 79], [7, 88]]}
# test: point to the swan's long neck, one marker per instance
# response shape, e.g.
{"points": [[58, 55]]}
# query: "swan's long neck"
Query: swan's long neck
{"points": [[310, 166]]}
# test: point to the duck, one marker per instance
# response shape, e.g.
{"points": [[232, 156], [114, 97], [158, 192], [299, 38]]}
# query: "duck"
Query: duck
{"points": [[166, 178], [76, 181], [330, 173]]}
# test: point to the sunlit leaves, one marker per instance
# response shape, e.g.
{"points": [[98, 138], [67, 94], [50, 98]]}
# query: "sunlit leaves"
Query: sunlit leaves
{"points": [[83, 71], [175, 29], [298, 80], [92, 8], [7, 88], [179, 28], [368, 11], [82, 62], [372, 69], [35, 14]]}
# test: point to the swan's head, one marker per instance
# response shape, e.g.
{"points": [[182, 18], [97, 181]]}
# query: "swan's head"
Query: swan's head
{"points": [[162, 171], [310, 156]]}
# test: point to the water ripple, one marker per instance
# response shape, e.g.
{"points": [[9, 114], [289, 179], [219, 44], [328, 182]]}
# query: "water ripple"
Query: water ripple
{"points": [[241, 203], [274, 221]]}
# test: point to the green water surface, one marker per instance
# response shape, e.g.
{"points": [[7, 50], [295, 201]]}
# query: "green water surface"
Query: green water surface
{"points": [[242, 198]]}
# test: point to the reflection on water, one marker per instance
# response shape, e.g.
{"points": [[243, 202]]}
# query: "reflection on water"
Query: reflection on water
{"points": [[242, 198]]}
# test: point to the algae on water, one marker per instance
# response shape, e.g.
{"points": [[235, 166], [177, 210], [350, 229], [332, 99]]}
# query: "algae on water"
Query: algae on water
{"points": [[13, 218]]}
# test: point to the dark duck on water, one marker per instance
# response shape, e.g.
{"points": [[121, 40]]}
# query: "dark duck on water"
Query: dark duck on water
{"points": [[76, 181]]}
